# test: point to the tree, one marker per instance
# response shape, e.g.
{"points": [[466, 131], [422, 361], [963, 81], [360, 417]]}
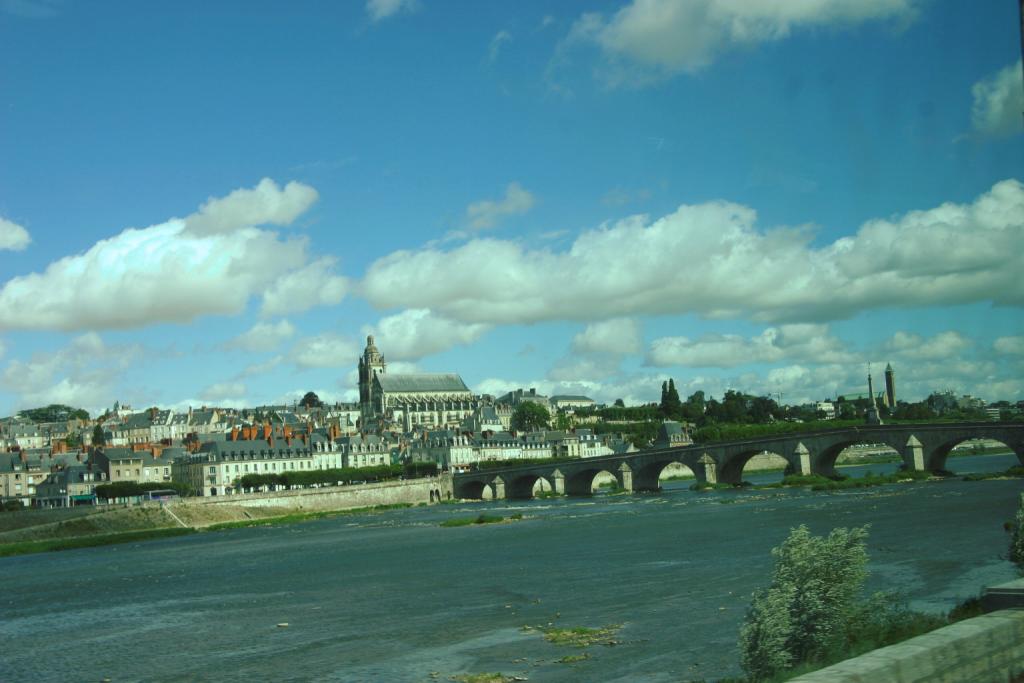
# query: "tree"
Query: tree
{"points": [[310, 400], [1017, 538], [619, 403], [671, 406], [530, 416], [98, 437], [810, 606]]}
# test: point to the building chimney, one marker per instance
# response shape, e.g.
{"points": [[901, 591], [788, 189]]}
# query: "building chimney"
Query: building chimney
{"points": [[234, 433]]}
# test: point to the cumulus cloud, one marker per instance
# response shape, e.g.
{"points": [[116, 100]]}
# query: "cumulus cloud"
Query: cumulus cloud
{"points": [[806, 342], [13, 237], [265, 204], [998, 102], [382, 9], [262, 368], [82, 374], [169, 273], [263, 336], [618, 336], [651, 39], [711, 259], [325, 351], [222, 391], [943, 345], [1010, 345], [486, 214], [418, 332], [297, 291]]}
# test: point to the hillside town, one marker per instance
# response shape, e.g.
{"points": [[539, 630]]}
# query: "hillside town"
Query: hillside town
{"points": [[58, 457]]}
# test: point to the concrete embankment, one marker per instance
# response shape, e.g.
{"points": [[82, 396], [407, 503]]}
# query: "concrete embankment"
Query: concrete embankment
{"points": [[985, 648], [197, 513]]}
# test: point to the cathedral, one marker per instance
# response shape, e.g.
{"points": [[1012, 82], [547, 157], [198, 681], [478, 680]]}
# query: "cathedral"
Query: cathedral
{"points": [[408, 402]]}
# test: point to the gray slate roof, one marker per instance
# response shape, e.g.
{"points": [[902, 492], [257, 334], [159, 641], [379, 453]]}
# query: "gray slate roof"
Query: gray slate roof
{"points": [[425, 382]]}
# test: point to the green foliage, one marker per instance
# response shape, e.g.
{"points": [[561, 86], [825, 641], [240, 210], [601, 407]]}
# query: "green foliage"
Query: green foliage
{"points": [[469, 521], [805, 612], [1017, 538], [11, 506], [131, 489], [530, 416], [99, 438], [55, 412], [713, 432], [310, 400], [27, 547], [333, 477]]}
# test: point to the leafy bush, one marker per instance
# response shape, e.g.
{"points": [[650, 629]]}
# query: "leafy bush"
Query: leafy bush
{"points": [[807, 609], [1017, 538]]}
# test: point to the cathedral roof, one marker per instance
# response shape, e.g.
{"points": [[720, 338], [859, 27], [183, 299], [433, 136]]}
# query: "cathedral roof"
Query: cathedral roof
{"points": [[423, 382]]}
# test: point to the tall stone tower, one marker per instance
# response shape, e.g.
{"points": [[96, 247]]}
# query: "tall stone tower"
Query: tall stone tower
{"points": [[872, 417], [890, 386], [370, 365]]}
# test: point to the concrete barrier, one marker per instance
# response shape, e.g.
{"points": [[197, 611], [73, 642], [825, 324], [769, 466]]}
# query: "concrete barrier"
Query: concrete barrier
{"points": [[985, 648]]}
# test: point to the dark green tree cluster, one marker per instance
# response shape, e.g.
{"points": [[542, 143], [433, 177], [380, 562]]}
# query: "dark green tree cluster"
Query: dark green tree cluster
{"points": [[310, 400], [131, 489], [55, 412], [530, 416], [333, 477]]}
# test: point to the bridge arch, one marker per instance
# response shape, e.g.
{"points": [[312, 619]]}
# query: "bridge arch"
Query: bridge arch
{"points": [[824, 462], [936, 459], [525, 485], [731, 470], [647, 477], [581, 482], [476, 489]]}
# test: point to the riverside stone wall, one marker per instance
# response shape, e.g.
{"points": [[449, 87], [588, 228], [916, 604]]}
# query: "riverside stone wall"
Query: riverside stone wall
{"points": [[985, 648], [411, 491]]}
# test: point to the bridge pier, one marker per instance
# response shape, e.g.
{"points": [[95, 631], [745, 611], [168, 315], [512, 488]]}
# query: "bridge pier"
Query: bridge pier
{"points": [[625, 477], [558, 482], [710, 467], [803, 457], [498, 486], [913, 455]]}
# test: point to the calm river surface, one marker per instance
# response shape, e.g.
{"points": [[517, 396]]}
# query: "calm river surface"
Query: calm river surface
{"points": [[395, 597]]}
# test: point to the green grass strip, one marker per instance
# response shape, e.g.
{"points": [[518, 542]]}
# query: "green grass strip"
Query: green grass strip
{"points": [[29, 547]]}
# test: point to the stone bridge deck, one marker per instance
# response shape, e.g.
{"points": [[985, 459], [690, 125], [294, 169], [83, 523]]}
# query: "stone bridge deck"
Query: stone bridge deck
{"points": [[922, 447]]}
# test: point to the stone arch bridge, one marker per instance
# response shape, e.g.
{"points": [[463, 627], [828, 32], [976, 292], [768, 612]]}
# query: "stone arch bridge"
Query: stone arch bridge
{"points": [[922, 447]]}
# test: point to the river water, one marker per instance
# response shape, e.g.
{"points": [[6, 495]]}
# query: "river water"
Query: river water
{"points": [[395, 597]]}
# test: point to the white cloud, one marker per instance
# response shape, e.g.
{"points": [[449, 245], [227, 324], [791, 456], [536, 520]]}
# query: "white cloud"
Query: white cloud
{"points": [[591, 367], [325, 351], [167, 273], [264, 204], [12, 236], [619, 336], [418, 332], [711, 259], [806, 342], [1010, 345], [382, 9], [499, 39], [300, 290], [943, 345], [651, 39], [263, 336], [257, 369], [998, 102], [82, 374], [222, 391], [486, 214]]}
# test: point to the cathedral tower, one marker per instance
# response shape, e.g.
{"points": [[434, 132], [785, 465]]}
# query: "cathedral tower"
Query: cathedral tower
{"points": [[890, 387], [370, 365]]}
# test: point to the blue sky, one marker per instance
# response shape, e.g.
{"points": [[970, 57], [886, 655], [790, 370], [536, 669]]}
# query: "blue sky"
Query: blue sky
{"points": [[214, 203]]}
